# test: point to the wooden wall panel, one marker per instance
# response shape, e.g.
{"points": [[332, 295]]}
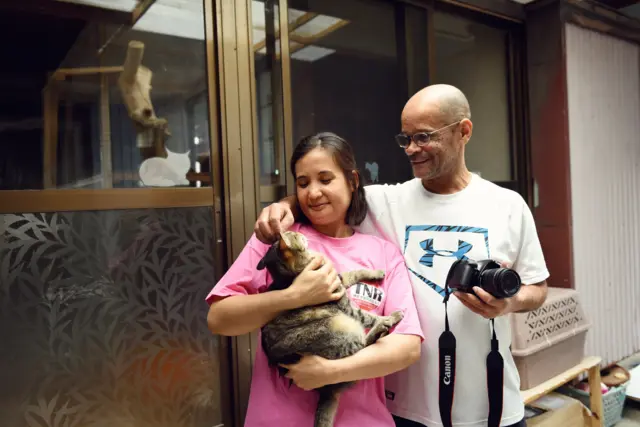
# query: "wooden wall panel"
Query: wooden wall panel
{"points": [[549, 139]]}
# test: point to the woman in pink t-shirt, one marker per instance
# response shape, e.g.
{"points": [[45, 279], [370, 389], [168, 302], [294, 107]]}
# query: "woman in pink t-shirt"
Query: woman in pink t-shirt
{"points": [[331, 201]]}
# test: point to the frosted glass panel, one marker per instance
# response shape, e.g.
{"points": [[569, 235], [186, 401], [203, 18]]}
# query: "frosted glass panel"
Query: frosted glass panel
{"points": [[103, 320]]}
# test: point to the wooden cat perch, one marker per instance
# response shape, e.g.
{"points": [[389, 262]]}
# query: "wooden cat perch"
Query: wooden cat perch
{"points": [[135, 84]]}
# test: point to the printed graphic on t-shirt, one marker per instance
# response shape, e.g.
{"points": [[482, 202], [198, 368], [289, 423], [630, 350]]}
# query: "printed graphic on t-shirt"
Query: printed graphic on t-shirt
{"points": [[430, 250], [366, 296]]}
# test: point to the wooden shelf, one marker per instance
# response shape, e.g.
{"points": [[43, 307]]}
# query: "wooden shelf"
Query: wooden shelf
{"points": [[592, 366]]}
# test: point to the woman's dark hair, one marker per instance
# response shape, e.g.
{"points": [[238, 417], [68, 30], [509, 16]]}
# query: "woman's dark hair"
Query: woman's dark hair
{"points": [[344, 158]]}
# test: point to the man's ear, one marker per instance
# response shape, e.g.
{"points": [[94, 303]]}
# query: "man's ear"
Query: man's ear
{"points": [[466, 129]]}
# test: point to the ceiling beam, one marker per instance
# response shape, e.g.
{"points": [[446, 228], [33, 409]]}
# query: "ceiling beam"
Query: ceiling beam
{"points": [[140, 10]]}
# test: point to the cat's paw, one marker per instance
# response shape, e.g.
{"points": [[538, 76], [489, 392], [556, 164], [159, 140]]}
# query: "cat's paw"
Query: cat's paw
{"points": [[377, 275], [394, 318]]}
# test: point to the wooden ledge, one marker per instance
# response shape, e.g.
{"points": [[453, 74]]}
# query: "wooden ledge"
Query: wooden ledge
{"points": [[589, 364], [560, 379], [61, 200]]}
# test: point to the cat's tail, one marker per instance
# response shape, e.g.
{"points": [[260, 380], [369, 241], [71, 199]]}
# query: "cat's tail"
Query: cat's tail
{"points": [[327, 407]]}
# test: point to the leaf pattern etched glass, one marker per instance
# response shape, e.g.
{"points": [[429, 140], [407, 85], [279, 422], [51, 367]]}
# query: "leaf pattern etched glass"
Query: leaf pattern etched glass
{"points": [[103, 320]]}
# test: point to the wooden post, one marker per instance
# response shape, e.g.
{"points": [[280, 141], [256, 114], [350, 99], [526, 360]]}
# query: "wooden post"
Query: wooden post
{"points": [[105, 134], [135, 85], [591, 365], [132, 62], [50, 137], [67, 150], [595, 397]]}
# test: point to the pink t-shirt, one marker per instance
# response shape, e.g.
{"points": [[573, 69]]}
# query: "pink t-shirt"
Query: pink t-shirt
{"points": [[272, 401]]}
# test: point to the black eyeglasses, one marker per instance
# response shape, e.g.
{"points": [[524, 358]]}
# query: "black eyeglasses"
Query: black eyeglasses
{"points": [[420, 138]]}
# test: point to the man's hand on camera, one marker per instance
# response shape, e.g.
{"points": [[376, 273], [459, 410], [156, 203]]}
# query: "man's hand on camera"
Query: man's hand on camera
{"points": [[274, 219], [485, 304]]}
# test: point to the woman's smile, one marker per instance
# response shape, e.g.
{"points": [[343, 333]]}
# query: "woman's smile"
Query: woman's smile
{"points": [[318, 206]]}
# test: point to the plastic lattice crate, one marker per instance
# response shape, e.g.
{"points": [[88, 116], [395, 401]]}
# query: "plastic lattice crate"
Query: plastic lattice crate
{"points": [[549, 340]]}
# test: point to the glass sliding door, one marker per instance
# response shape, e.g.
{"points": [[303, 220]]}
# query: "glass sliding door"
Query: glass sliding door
{"points": [[473, 57], [354, 64], [349, 75], [110, 221], [481, 57], [269, 84]]}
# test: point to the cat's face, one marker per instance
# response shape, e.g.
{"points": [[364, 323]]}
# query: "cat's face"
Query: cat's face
{"points": [[290, 252], [293, 250], [180, 161], [293, 241]]}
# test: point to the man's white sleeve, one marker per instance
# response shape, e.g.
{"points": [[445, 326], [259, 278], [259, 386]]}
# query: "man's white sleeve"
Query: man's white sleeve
{"points": [[377, 222], [530, 263]]}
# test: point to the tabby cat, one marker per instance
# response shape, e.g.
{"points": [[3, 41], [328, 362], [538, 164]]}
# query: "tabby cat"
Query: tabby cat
{"points": [[332, 330]]}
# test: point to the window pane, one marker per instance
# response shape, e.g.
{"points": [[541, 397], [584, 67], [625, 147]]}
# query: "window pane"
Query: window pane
{"points": [[104, 321], [74, 118], [632, 10], [268, 78], [417, 48], [473, 57], [349, 76]]}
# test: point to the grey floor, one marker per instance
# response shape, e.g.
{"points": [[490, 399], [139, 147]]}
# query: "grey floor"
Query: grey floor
{"points": [[631, 414]]}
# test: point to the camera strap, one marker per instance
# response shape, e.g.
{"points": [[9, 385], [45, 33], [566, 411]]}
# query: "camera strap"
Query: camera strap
{"points": [[447, 359], [495, 380], [447, 350]]}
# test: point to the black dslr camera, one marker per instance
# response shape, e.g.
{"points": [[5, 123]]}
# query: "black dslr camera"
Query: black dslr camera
{"points": [[486, 274]]}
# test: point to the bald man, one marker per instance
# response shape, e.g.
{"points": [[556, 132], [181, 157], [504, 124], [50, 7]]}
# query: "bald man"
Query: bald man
{"points": [[466, 376]]}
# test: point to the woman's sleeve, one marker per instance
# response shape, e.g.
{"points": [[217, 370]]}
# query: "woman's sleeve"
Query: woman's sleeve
{"points": [[400, 295], [243, 277]]}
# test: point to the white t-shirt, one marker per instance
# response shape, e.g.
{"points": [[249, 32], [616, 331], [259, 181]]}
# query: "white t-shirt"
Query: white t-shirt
{"points": [[483, 221]]}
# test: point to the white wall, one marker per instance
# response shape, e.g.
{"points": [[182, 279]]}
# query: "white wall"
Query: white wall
{"points": [[603, 82]]}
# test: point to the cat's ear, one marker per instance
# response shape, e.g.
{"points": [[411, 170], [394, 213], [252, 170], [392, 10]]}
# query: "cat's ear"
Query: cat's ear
{"points": [[168, 151], [263, 262], [187, 153], [269, 256]]}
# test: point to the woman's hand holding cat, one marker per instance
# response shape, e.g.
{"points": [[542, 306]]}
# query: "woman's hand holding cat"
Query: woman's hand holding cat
{"points": [[311, 372], [318, 283]]}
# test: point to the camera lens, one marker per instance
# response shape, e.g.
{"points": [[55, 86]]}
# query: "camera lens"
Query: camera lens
{"points": [[501, 282], [509, 282]]}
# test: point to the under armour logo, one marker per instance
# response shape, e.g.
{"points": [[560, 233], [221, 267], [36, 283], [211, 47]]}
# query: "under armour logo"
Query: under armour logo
{"points": [[427, 246]]}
